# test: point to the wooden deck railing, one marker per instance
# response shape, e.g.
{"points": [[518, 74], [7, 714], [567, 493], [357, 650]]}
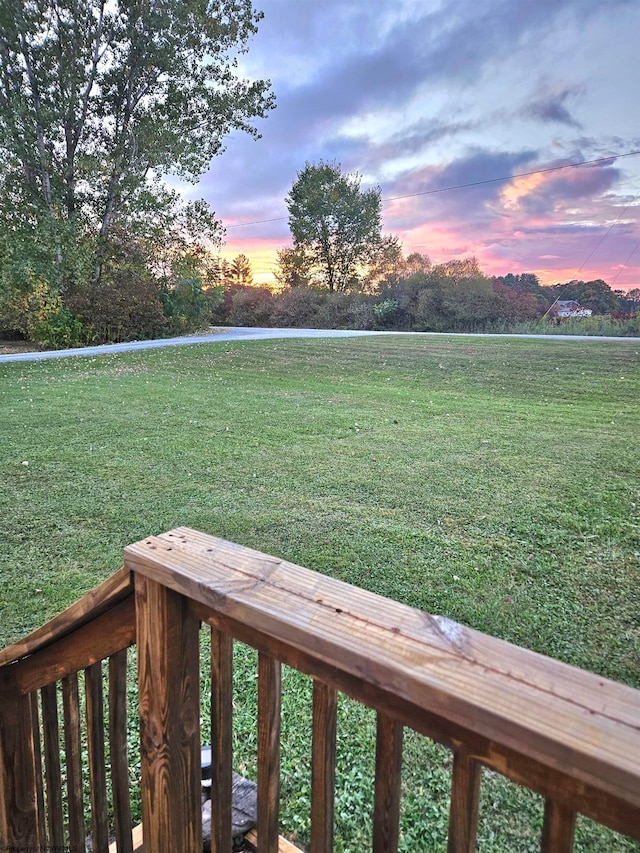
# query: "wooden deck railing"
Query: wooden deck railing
{"points": [[571, 736]]}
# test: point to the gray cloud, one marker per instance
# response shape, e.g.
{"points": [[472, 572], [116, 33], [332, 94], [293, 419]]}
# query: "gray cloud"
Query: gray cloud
{"points": [[474, 174], [568, 187], [438, 69], [551, 107], [364, 66]]}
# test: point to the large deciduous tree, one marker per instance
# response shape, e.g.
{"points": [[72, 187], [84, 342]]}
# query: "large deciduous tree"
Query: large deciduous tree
{"points": [[336, 225], [99, 101]]}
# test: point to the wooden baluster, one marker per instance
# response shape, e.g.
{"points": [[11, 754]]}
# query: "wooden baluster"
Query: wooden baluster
{"points": [[169, 701], [18, 781], [558, 829], [323, 767], [386, 816], [97, 769], [37, 757], [118, 750], [465, 797], [221, 740], [269, 701], [51, 734], [73, 750]]}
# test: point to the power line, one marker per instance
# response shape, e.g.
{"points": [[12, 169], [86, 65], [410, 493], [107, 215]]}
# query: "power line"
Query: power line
{"points": [[518, 175], [257, 222], [470, 184], [602, 239], [624, 266]]}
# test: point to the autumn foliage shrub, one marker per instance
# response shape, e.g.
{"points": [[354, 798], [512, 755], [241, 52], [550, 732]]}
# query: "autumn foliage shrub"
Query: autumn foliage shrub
{"points": [[125, 307], [124, 303], [251, 306], [297, 307]]}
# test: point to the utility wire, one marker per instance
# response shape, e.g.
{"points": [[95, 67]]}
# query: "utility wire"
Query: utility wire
{"points": [[624, 266], [602, 239], [519, 175], [257, 222], [471, 184]]}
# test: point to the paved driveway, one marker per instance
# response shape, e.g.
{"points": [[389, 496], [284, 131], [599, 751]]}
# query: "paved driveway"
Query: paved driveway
{"points": [[246, 333], [235, 333]]}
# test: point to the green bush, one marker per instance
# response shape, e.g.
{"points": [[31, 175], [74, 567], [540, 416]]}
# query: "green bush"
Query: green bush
{"points": [[123, 302], [41, 317], [345, 310], [188, 306], [60, 330], [385, 313]]}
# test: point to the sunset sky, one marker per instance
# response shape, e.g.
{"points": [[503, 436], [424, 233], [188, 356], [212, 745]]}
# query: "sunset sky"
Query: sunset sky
{"points": [[422, 95]]}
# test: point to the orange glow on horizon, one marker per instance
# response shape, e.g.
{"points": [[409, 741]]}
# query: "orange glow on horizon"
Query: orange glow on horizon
{"points": [[442, 245], [261, 254]]}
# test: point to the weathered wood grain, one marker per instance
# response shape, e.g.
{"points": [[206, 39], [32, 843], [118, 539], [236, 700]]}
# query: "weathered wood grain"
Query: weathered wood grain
{"points": [[221, 740], [269, 702], [51, 732], [118, 750], [92, 642], [37, 759], [18, 797], [521, 769], [465, 797], [97, 767], [73, 753], [95, 602], [558, 829], [323, 767], [169, 702], [571, 735], [388, 784]]}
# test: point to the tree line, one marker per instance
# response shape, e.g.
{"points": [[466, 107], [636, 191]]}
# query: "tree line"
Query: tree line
{"points": [[100, 102], [420, 296]]}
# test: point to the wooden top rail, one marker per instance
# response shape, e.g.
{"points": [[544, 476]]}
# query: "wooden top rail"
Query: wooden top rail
{"points": [[566, 733], [96, 626], [95, 603]]}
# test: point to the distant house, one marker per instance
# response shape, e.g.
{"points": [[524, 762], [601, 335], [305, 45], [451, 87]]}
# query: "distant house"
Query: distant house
{"points": [[569, 308]]}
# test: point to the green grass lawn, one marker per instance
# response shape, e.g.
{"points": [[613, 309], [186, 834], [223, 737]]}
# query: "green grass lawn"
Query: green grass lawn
{"points": [[495, 481]]}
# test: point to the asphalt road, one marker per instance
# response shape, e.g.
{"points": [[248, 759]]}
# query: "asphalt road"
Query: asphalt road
{"points": [[240, 333]]}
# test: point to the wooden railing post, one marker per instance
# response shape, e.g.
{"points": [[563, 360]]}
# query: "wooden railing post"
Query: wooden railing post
{"points": [[386, 817], [221, 740], [18, 787], [323, 767], [73, 749], [169, 701], [269, 706], [465, 798], [558, 829], [51, 733], [118, 750]]}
